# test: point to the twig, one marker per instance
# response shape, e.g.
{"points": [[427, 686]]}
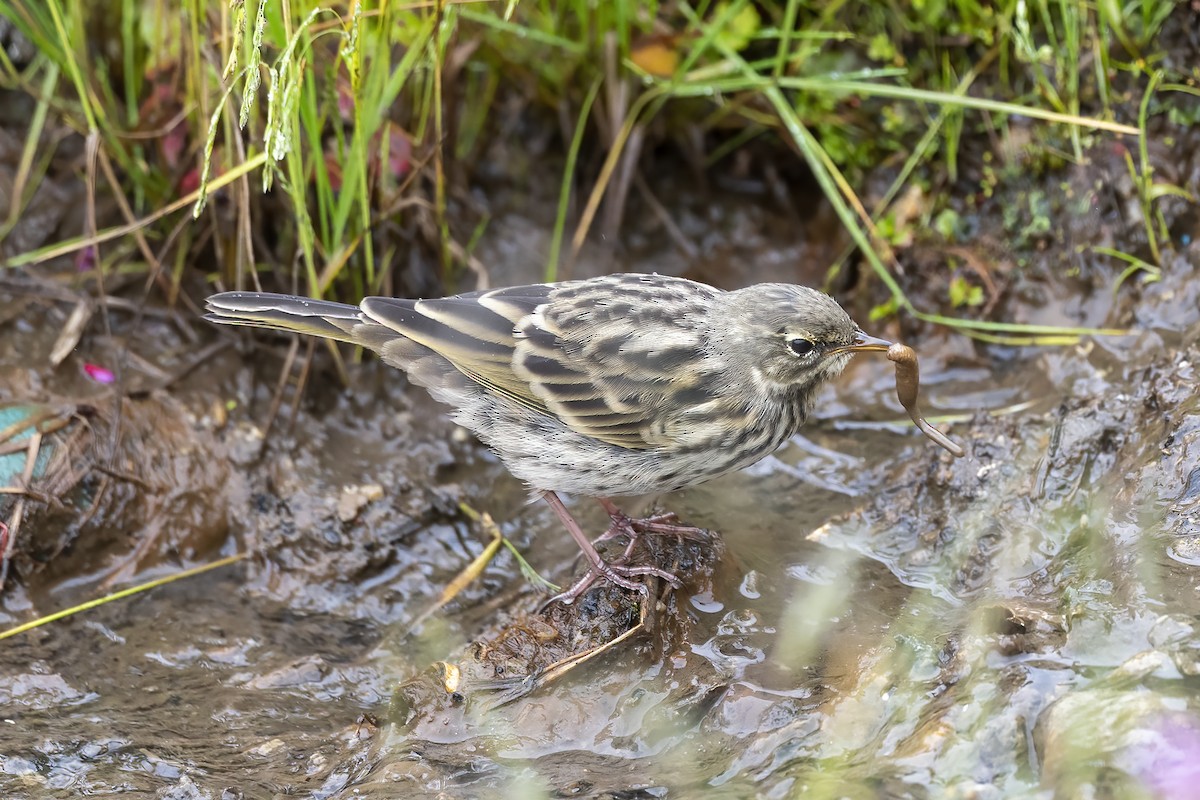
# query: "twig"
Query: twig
{"points": [[280, 385], [301, 382], [129, 477], [686, 247], [14, 522], [108, 598]]}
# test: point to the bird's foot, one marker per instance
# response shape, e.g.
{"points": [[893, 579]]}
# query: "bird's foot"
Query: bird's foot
{"points": [[665, 524], [624, 525], [616, 574], [668, 525]]}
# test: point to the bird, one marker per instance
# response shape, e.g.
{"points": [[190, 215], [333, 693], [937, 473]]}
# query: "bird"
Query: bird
{"points": [[618, 385]]}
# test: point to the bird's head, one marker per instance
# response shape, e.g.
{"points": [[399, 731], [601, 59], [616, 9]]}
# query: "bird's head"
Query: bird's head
{"points": [[784, 337]]}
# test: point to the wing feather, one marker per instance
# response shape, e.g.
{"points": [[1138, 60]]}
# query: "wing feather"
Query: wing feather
{"points": [[609, 357]]}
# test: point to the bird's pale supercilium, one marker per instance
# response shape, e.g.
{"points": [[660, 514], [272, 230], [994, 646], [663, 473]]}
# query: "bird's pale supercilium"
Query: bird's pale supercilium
{"points": [[618, 385]]}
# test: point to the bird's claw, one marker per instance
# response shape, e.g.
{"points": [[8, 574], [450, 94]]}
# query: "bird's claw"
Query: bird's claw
{"points": [[616, 574]]}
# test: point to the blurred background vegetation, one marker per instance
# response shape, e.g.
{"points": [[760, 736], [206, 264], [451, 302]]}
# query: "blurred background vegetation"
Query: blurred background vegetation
{"points": [[370, 122]]}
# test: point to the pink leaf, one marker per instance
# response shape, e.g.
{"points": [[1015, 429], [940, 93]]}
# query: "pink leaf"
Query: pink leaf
{"points": [[98, 373]]}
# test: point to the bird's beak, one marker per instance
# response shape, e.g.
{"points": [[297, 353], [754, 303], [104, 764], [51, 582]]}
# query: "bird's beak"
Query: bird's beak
{"points": [[862, 344]]}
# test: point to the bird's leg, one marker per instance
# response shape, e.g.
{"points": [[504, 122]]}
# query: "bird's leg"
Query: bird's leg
{"points": [[616, 574], [598, 565]]}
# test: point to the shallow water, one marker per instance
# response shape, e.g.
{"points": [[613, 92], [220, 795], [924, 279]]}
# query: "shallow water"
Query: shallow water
{"points": [[877, 619]]}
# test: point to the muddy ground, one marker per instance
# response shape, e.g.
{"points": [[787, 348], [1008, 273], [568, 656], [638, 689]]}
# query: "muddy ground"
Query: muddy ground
{"points": [[872, 617]]}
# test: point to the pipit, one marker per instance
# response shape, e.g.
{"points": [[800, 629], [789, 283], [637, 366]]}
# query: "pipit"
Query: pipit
{"points": [[613, 386]]}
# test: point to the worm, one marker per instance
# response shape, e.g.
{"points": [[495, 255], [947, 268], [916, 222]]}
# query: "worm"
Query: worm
{"points": [[908, 384]]}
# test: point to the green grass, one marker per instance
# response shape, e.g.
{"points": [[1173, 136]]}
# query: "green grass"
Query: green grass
{"points": [[367, 118]]}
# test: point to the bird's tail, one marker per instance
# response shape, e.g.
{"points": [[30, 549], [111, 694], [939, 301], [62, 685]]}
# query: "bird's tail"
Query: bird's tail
{"points": [[283, 312]]}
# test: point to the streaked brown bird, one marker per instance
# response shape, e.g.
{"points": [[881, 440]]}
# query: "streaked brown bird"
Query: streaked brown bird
{"points": [[619, 385]]}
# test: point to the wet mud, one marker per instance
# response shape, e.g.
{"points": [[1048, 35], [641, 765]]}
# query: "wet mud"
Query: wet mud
{"points": [[874, 617]]}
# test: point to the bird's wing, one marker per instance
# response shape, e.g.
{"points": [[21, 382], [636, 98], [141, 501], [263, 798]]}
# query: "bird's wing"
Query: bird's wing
{"points": [[612, 358], [474, 332]]}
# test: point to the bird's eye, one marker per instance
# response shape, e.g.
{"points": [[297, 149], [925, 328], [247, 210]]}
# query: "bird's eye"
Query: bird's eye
{"points": [[801, 347]]}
